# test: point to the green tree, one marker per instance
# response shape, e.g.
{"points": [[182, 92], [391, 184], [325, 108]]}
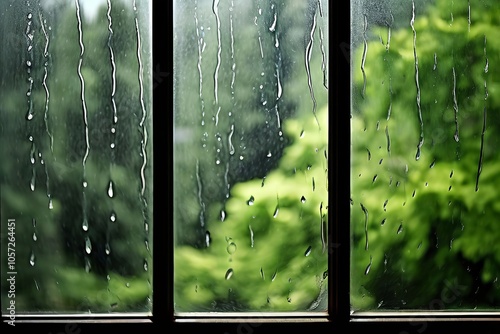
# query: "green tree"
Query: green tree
{"points": [[271, 251], [422, 223], [65, 235]]}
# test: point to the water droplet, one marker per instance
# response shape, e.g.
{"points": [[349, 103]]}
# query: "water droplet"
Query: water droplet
{"points": [[276, 211], [303, 199], [146, 265], [308, 251], [110, 190], [222, 215], [28, 63], [262, 273], [85, 184], [207, 238], [400, 228], [274, 275], [231, 248], [383, 221], [85, 225], [35, 238], [229, 273], [251, 200], [107, 249], [367, 270], [88, 245], [32, 259], [51, 205], [269, 154], [112, 217]]}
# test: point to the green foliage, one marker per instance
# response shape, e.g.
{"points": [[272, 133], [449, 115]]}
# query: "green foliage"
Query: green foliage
{"points": [[269, 227], [427, 225]]}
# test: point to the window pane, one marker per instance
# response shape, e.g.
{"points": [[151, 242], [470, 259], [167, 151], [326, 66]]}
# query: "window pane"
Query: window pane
{"points": [[424, 170], [76, 183], [250, 156]]}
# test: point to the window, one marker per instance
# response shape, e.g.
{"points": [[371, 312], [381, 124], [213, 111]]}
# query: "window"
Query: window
{"points": [[339, 315], [421, 211], [76, 169], [251, 157]]}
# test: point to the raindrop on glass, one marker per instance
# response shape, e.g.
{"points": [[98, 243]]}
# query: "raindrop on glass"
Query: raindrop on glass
{"points": [[400, 228], [367, 270], [207, 238], [111, 193], [85, 225], [276, 211], [251, 200], [88, 245], [274, 275], [231, 248], [308, 251], [88, 266], [229, 273], [32, 259]]}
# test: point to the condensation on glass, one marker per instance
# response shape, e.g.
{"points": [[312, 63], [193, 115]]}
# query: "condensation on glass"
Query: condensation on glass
{"points": [[76, 149], [424, 159], [251, 157]]}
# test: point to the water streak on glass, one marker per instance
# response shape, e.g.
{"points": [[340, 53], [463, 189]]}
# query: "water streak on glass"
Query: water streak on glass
{"points": [[44, 83], [455, 106], [365, 52], [308, 54], [417, 83], [215, 8]]}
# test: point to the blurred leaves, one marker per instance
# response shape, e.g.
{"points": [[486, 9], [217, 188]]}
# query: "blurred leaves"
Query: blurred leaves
{"points": [[447, 228], [278, 260], [63, 276]]}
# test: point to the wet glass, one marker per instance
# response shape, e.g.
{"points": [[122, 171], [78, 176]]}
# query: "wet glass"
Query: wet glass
{"points": [[250, 157], [76, 157], [424, 167]]}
